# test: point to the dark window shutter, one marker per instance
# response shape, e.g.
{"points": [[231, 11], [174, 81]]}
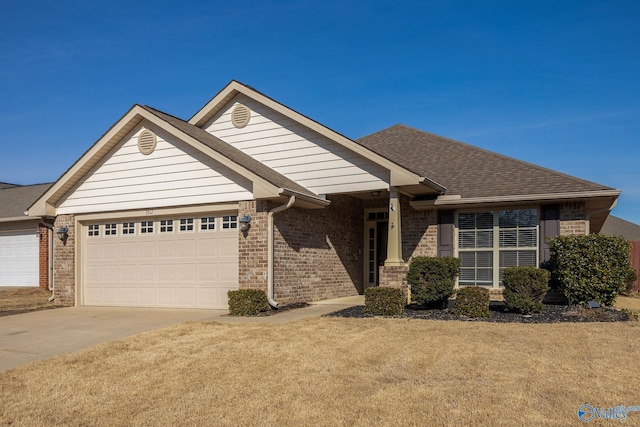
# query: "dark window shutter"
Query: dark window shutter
{"points": [[549, 227], [445, 233]]}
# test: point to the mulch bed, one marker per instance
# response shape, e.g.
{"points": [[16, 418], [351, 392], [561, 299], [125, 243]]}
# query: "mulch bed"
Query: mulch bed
{"points": [[549, 314]]}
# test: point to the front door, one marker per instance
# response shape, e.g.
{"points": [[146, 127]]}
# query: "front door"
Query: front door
{"points": [[376, 236]]}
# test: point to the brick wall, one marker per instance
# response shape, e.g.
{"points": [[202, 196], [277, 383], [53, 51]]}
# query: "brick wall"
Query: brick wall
{"points": [[64, 269], [43, 250], [318, 252], [572, 219], [419, 231], [252, 246]]}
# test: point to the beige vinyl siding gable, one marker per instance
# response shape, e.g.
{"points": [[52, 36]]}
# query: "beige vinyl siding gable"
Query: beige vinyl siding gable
{"points": [[302, 155], [174, 174]]}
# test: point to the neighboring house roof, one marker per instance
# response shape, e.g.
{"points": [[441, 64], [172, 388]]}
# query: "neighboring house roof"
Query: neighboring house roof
{"points": [[614, 226], [469, 171], [15, 200], [4, 185]]}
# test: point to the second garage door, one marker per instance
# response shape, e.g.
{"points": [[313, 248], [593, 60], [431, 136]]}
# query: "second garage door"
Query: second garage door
{"points": [[19, 258], [181, 262]]}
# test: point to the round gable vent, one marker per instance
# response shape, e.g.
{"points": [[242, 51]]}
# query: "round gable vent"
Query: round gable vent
{"points": [[240, 116], [147, 142]]}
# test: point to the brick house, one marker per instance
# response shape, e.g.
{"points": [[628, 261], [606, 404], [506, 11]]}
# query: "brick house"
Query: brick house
{"points": [[24, 240], [248, 193]]}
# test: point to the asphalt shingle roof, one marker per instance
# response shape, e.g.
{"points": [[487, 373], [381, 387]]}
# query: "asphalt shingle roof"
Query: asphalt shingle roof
{"points": [[16, 199], [467, 170], [614, 226]]}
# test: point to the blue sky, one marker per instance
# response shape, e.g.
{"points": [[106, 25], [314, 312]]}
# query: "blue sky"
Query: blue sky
{"points": [[555, 83]]}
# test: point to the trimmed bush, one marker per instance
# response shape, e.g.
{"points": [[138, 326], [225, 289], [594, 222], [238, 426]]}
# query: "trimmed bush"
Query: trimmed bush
{"points": [[472, 301], [524, 288], [433, 279], [247, 302], [384, 301], [592, 267]]}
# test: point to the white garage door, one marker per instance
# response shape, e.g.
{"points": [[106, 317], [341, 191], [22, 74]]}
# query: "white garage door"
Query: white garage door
{"points": [[19, 258], [186, 262]]}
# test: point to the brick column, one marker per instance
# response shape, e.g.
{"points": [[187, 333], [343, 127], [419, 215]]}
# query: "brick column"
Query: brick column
{"points": [[64, 263], [252, 246]]}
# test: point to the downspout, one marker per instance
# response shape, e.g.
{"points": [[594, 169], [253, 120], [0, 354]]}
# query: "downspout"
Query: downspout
{"points": [[588, 217], [50, 261], [270, 239]]}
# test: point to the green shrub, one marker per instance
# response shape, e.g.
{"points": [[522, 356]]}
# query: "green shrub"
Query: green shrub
{"points": [[591, 267], [433, 279], [632, 276], [472, 301], [247, 302], [524, 288], [384, 301]]}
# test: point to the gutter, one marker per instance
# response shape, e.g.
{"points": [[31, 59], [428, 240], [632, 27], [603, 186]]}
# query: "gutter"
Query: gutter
{"points": [[270, 249], [456, 200]]}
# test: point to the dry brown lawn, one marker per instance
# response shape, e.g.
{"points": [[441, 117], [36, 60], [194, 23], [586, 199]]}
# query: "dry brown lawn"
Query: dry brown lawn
{"points": [[20, 300], [335, 371], [628, 303]]}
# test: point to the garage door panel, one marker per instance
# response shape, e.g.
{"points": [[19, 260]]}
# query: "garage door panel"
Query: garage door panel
{"points": [[167, 249], [192, 269], [167, 273]]}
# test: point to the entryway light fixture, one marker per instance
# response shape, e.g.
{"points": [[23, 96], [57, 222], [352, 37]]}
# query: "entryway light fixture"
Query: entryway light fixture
{"points": [[245, 220], [63, 233], [375, 193]]}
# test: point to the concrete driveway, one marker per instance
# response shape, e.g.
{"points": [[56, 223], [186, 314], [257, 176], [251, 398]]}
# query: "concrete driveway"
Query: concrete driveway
{"points": [[29, 337], [38, 335]]}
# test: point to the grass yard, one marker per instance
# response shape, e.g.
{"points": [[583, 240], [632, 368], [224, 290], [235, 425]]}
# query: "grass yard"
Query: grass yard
{"points": [[20, 300], [329, 371]]}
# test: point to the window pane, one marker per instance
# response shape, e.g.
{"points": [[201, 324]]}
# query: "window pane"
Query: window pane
{"points": [[484, 239], [485, 275], [468, 259], [508, 219], [508, 259], [484, 259], [527, 238], [467, 239], [484, 220], [508, 238], [466, 221], [527, 218], [527, 258]]}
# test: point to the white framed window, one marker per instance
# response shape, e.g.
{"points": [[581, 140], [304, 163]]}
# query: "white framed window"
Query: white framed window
{"points": [[186, 224], [111, 229], [94, 230], [208, 223], [128, 228], [229, 221], [166, 226], [146, 227], [491, 240]]}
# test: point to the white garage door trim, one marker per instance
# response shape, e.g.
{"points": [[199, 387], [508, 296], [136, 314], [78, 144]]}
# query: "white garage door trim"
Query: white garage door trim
{"points": [[186, 261], [19, 258]]}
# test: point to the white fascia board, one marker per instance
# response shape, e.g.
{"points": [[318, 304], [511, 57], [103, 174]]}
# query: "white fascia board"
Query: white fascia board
{"points": [[456, 200], [399, 175]]}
